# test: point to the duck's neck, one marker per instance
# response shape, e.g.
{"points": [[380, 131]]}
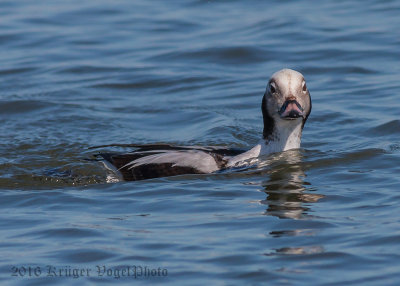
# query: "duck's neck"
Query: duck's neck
{"points": [[284, 135], [279, 135]]}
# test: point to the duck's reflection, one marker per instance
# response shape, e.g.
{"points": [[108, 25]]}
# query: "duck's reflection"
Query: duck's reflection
{"points": [[287, 186], [290, 196]]}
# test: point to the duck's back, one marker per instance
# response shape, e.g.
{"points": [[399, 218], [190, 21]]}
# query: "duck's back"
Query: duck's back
{"points": [[163, 160]]}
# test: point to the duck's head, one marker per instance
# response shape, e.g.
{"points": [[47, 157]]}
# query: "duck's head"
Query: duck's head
{"points": [[286, 102]]}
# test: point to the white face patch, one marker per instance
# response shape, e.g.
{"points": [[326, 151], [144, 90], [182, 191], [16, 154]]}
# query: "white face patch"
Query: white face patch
{"points": [[289, 81], [288, 84]]}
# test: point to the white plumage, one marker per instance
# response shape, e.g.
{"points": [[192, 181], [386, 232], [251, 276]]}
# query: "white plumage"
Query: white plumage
{"points": [[199, 160]]}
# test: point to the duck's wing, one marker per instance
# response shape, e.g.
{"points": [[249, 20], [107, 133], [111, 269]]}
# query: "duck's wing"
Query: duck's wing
{"points": [[147, 165], [163, 160]]}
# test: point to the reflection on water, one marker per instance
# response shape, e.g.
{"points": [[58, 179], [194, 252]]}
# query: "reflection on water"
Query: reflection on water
{"points": [[299, 250], [287, 197], [286, 186]]}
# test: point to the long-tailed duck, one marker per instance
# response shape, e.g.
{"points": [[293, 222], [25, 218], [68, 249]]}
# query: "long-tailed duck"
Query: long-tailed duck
{"points": [[286, 105]]}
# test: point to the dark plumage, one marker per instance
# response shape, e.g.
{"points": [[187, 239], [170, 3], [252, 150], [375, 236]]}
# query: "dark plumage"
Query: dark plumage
{"points": [[121, 161]]}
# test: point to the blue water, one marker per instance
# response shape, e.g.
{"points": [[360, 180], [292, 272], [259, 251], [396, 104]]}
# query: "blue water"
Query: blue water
{"points": [[75, 74]]}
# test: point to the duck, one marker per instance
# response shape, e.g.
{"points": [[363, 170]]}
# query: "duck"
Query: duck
{"points": [[286, 106]]}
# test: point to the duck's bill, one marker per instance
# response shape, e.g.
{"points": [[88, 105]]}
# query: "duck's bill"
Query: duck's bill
{"points": [[291, 109]]}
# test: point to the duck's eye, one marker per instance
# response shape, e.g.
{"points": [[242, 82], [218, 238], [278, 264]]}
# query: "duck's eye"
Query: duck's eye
{"points": [[304, 87], [272, 87]]}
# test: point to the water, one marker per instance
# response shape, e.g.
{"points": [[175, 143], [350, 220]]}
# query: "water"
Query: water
{"points": [[75, 74]]}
